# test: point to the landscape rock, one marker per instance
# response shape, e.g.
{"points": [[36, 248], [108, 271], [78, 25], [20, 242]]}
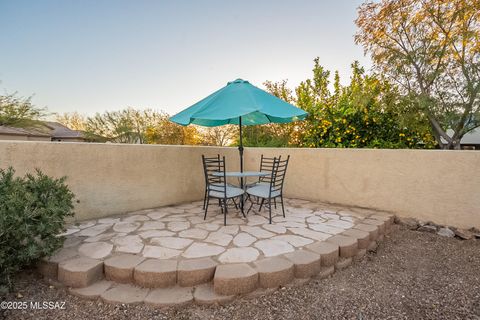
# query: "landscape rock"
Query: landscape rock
{"points": [[463, 234], [410, 223], [427, 228], [475, 231], [446, 232]]}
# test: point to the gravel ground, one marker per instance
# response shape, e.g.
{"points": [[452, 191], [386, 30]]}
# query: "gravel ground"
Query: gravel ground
{"points": [[413, 275]]}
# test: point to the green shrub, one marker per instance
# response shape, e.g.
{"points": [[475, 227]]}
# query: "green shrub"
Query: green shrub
{"points": [[32, 212]]}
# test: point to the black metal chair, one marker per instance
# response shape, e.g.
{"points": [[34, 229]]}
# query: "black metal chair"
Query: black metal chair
{"points": [[216, 185], [274, 189], [209, 160], [266, 165]]}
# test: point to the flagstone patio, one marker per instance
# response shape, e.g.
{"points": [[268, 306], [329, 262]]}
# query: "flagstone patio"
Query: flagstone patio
{"points": [[172, 255]]}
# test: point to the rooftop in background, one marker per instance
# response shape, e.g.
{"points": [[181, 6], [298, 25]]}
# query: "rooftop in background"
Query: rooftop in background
{"points": [[471, 138], [45, 131]]}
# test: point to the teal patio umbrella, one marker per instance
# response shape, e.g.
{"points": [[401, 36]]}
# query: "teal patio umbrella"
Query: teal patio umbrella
{"points": [[239, 102]]}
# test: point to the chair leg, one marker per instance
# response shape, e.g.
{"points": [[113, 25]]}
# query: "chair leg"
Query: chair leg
{"points": [[283, 208], [275, 202], [242, 209], [206, 208], [261, 204], [205, 199], [235, 203], [250, 208], [225, 212], [270, 209]]}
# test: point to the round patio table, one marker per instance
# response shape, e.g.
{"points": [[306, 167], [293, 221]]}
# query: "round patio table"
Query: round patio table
{"points": [[242, 175]]}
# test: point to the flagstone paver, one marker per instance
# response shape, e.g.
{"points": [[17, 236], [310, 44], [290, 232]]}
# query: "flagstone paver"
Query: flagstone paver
{"points": [[274, 228], [257, 232], [315, 235], [93, 231], [243, 240], [171, 242], [134, 218], [232, 230], [178, 226], [175, 248], [237, 255], [194, 233], [272, 248], [152, 225], [109, 220], [126, 226], [96, 250], [169, 297], [124, 293], [157, 215], [128, 244], [86, 224], [296, 241], [104, 236], [155, 233], [209, 226], [160, 252], [341, 224], [205, 294], [219, 238], [92, 291], [69, 231], [325, 228], [199, 250]]}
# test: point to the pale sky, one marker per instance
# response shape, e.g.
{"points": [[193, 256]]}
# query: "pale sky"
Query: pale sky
{"points": [[91, 56]]}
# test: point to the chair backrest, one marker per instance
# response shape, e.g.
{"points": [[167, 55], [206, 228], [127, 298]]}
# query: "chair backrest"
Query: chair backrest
{"points": [[278, 175], [215, 173], [267, 165]]}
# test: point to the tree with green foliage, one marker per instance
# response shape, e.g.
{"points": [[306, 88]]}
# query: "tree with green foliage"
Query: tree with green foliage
{"points": [[221, 136], [125, 126], [430, 50], [273, 134], [167, 132], [367, 113], [73, 120], [19, 112]]}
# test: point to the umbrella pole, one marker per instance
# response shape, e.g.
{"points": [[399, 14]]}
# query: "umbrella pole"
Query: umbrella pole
{"points": [[240, 150], [240, 147]]}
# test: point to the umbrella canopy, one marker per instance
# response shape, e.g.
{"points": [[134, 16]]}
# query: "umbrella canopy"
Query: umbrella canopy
{"points": [[240, 103], [239, 99]]}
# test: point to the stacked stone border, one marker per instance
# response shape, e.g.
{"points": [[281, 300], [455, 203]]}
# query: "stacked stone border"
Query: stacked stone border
{"points": [[130, 279]]}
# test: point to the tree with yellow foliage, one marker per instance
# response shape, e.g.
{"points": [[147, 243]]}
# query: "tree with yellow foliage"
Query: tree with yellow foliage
{"points": [[431, 50]]}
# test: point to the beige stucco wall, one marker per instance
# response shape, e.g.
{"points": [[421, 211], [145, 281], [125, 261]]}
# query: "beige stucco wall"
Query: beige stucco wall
{"points": [[436, 185], [441, 186], [116, 178]]}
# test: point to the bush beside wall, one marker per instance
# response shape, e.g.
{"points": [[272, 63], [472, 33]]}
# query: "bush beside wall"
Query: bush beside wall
{"points": [[32, 213]]}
